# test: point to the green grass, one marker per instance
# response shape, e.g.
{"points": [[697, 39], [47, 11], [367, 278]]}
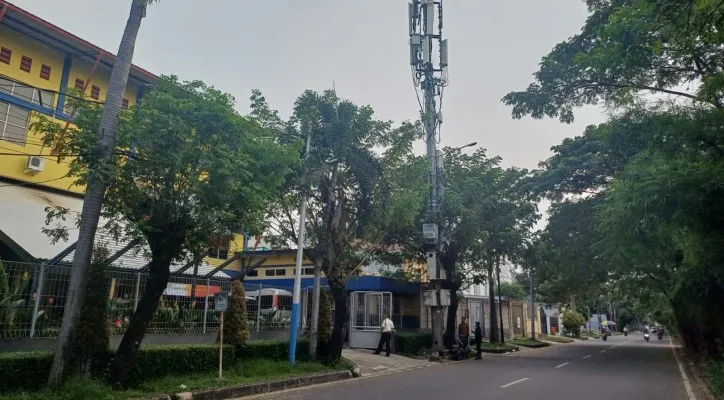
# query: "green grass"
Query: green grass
{"points": [[527, 342], [714, 374], [557, 339], [251, 371]]}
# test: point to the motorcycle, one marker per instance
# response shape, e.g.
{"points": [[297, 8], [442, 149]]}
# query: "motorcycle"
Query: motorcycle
{"points": [[660, 335], [604, 336], [625, 333], [461, 350], [646, 336]]}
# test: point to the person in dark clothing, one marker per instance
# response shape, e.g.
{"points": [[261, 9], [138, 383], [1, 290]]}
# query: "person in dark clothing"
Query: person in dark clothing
{"points": [[478, 341]]}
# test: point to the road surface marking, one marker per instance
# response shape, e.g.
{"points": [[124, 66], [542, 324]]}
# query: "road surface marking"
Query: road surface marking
{"points": [[562, 365], [514, 382], [603, 351], [685, 378], [586, 356]]}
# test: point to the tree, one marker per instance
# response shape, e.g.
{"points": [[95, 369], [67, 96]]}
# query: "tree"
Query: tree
{"points": [[325, 321], [96, 186], [236, 326], [512, 290], [627, 49], [209, 173], [348, 196], [572, 322]]}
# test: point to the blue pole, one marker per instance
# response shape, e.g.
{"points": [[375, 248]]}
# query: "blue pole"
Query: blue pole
{"points": [[294, 329]]}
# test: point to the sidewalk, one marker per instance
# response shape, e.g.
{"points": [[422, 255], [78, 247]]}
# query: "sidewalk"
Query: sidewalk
{"points": [[372, 364]]}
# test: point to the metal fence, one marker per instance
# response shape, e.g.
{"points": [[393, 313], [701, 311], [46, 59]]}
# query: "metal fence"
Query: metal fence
{"points": [[32, 297]]}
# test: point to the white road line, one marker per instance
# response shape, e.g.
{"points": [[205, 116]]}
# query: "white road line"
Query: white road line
{"points": [[685, 378], [586, 356], [603, 351], [562, 365], [514, 382]]}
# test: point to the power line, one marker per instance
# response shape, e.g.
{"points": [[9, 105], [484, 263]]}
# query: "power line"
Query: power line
{"points": [[34, 183]]}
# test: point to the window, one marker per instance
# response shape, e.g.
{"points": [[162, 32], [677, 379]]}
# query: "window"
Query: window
{"points": [[219, 248], [30, 94], [13, 123], [275, 272], [25, 63], [95, 92], [124, 104], [5, 55], [45, 72], [79, 84], [305, 271], [252, 273]]}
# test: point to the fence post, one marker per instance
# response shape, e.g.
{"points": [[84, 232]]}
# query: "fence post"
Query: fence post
{"points": [[206, 305], [137, 291], [258, 306], [38, 295]]}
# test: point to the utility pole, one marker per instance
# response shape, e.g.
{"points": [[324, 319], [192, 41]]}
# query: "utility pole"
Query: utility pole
{"points": [[532, 304], [430, 73], [294, 328]]}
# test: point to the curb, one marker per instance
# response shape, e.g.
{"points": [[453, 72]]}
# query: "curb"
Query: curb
{"points": [[266, 387]]}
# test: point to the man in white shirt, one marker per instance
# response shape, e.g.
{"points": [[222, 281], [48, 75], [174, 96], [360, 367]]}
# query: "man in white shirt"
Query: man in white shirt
{"points": [[386, 335]]}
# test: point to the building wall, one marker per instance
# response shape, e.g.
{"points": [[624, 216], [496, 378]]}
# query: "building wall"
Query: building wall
{"points": [[13, 167]]}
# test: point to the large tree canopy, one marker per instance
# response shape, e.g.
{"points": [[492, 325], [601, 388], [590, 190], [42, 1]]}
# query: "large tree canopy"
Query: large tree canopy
{"points": [[187, 168]]}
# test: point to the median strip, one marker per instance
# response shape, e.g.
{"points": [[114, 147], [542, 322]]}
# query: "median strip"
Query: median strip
{"points": [[514, 382]]}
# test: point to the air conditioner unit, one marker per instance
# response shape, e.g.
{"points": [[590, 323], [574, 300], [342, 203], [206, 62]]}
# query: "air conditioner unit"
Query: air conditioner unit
{"points": [[35, 165]]}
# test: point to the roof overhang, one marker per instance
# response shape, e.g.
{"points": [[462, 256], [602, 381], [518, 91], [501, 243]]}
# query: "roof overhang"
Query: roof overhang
{"points": [[43, 31]]}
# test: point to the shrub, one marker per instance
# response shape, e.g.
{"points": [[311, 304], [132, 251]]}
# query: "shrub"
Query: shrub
{"points": [[158, 361], [24, 371], [572, 322], [236, 326], [412, 342], [273, 350], [93, 333], [29, 370]]}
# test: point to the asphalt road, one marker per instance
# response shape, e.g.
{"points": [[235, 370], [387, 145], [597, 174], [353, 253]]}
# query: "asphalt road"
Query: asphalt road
{"points": [[622, 367]]}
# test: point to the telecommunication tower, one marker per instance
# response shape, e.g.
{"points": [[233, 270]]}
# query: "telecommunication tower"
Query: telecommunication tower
{"points": [[429, 61]]}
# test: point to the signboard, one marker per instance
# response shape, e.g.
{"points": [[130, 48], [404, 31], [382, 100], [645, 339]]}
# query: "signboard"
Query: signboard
{"points": [[221, 301], [184, 290]]}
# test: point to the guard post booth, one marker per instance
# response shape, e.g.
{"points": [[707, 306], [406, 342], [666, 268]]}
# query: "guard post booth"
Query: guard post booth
{"points": [[370, 298]]}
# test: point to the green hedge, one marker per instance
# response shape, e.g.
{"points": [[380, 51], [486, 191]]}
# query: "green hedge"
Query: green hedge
{"points": [[412, 342], [29, 370], [273, 350]]}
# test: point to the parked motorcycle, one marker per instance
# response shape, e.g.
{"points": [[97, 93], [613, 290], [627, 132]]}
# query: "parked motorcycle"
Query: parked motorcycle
{"points": [[646, 336], [461, 349]]}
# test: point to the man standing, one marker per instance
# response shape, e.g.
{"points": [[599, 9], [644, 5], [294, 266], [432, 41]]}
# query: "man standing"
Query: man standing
{"points": [[386, 335]]}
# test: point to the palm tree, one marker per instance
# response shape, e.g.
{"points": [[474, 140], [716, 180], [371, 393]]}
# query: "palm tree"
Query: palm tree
{"points": [[93, 201]]}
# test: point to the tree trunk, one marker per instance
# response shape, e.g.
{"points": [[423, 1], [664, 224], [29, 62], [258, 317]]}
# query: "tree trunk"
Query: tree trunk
{"points": [[93, 201], [491, 305], [451, 325], [500, 304], [313, 337], [124, 360], [341, 318]]}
